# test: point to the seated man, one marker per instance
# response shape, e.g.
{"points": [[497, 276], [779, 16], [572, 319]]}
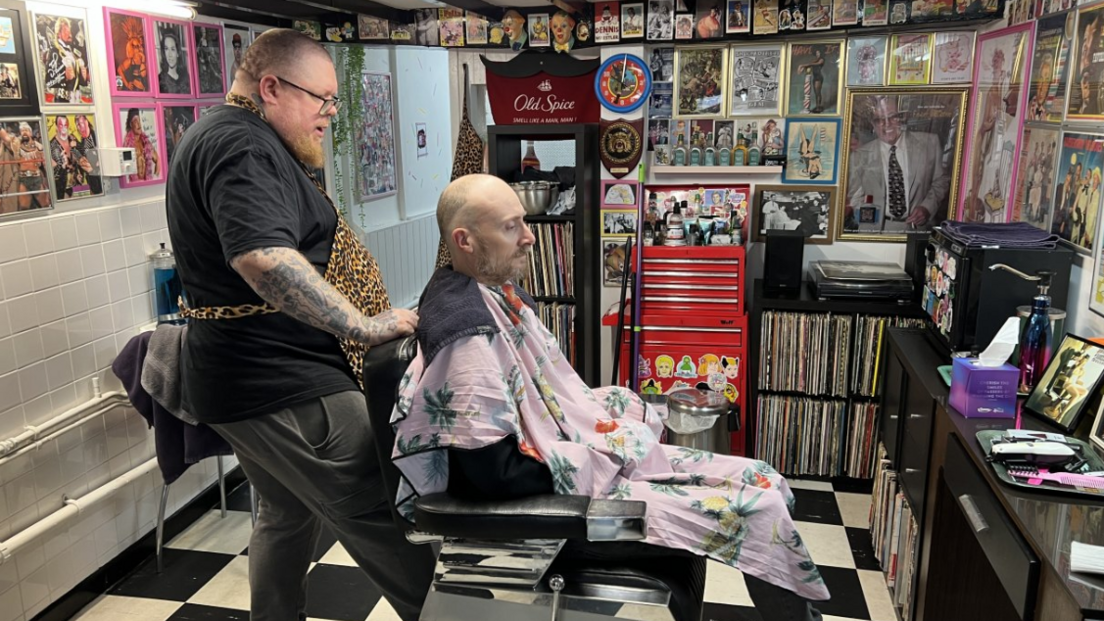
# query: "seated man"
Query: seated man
{"points": [[490, 409]]}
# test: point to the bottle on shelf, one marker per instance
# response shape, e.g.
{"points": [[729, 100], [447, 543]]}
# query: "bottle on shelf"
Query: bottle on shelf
{"points": [[696, 156], [740, 154], [710, 157], [753, 150], [680, 156], [724, 157], [649, 234], [530, 160], [676, 235], [653, 209]]}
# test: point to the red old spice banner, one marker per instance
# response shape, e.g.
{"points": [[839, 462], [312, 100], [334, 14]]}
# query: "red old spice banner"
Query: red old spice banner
{"points": [[542, 88]]}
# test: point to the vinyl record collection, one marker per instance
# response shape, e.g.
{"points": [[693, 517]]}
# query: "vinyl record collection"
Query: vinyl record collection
{"points": [[552, 264], [560, 320], [869, 335], [805, 352], [801, 436], [894, 534], [862, 435]]}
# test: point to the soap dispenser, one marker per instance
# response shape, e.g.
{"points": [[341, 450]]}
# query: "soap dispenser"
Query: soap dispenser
{"points": [[1037, 333]]}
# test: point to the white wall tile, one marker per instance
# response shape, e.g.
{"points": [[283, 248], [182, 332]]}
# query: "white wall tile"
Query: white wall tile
{"points": [[39, 238], [35, 590], [59, 370], [64, 398], [98, 294], [5, 320], [16, 277], [20, 495], [105, 351], [23, 313], [47, 479], [150, 217], [114, 255], [69, 265], [143, 310], [79, 328], [135, 248], [110, 225], [88, 229], [7, 357], [92, 259], [64, 230], [139, 278], [44, 272], [28, 347], [84, 361], [55, 338], [74, 298], [132, 220], [95, 452], [9, 393], [49, 305], [38, 410], [122, 313], [118, 286], [12, 243], [33, 382]]}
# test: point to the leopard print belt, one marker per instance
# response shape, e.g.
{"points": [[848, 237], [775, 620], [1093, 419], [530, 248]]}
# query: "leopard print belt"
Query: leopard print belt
{"points": [[351, 269]]}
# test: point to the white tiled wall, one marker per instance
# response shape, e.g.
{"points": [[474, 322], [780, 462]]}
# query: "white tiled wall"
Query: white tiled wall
{"points": [[74, 288]]}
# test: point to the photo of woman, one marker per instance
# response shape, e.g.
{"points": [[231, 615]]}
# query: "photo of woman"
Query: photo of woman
{"points": [[1072, 375], [137, 128], [173, 78]]}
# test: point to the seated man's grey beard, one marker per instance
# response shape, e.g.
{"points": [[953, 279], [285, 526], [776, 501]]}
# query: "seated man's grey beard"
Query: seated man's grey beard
{"points": [[493, 271]]}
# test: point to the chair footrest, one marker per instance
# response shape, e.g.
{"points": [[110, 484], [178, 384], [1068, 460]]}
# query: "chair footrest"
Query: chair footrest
{"points": [[551, 516]]}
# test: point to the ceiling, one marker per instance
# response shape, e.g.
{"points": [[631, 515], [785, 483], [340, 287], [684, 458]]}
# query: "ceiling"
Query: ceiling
{"points": [[282, 12]]}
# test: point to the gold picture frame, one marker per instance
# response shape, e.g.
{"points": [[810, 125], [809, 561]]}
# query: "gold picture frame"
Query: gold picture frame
{"points": [[910, 59], [690, 84], [750, 69]]}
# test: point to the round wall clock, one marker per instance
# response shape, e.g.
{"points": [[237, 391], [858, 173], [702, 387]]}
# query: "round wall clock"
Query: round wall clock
{"points": [[623, 83]]}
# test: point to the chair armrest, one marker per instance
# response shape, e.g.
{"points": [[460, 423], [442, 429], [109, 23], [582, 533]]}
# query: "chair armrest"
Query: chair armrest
{"points": [[549, 516]]}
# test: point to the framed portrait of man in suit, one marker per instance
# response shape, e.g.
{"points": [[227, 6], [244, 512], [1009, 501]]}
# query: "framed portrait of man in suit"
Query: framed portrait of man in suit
{"points": [[901, 154]]}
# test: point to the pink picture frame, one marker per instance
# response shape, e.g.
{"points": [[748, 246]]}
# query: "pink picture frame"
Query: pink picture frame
{"points": [[117, 87], [167, 89], [202, 78], [149, 113], [981, 199]]}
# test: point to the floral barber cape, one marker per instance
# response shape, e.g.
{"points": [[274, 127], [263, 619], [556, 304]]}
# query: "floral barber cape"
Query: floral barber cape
{"points": [[601, 443]]}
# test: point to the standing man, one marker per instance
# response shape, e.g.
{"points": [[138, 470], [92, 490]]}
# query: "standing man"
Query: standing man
{"points": [[89, 155], [64, 166], [270, 359]]}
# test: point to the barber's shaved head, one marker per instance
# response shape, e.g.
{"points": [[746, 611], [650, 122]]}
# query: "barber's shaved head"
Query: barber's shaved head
{"points": [[483, 223], [279, 51]]}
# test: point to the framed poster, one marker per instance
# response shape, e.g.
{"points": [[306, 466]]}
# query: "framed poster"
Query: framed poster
{"points": [[619, 223], [24, 168], [1050, 68], [375, 165], [1077, 190], [1096, 298], [18, 91], [765, 17], [771, 136], [128, 46], [701, 80], [812, 151], [236, 39], [75, 155], [371, 28], [477, 25], [927, 124], [208, 60], [662, 64], [794, 208], [910, 59], [661, 20], [738, 17], [1072, 376], [875, 13], [614, 260], [845, 13], [1096, 435], [607, 22], [952, 57], [814, 84], [866, 61], [619, 195], [174, 76], [1086, 91], [62, 59], [709, 19], [632, 20], [756, 87], [1035, 181], [138, 127], [997, 109], [175, 120]]}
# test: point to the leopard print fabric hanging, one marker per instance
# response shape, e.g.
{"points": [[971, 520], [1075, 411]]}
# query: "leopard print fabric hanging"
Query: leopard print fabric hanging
{"points": [[468, 161]]}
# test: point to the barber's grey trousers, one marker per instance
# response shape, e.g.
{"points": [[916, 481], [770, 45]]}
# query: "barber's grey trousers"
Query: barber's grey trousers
{"points": [[311, 464]]}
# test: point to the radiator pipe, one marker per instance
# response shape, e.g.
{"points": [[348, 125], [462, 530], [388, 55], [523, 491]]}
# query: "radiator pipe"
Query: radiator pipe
{"points": [[41, 432]]}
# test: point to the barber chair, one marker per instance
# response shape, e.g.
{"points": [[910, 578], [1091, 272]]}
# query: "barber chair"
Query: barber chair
{"points": [[557, 557]]}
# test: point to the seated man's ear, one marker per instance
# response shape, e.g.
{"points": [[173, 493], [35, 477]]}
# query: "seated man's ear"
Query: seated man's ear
{"points": [[462, 237]]}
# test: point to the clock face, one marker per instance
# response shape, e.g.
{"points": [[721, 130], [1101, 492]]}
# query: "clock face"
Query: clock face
{"points": [[623, 83]]}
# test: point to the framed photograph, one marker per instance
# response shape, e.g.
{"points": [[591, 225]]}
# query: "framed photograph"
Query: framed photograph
{"points": [[614, 259], [875, 13], [618, 223], [1086, 91], [1077, 190], [765, 17], [661, 20], [18, 91], [207, 58], [709, 19], [701, 85], [236, 39], [910, 59], [997, 108], [374, 136], [427, 32], [1096, 435], [538, 30], [475, 24], [128, 46], [620, 194], [607, 22], [738, 17], [1050, 68], [771, 136], [814, 84], [926, 123], [175, 120], [845, 13], [661, 101], [662, 64], [174, 76], [756, 87], [953, 57], [794, 208], [62, 59], [24, 168], [75, 155], [1035, 181], [818, 15], [866, 61], [659, 133], [371, 28], [1068, 382], [138, 127], [812, 151], [632, 20]]}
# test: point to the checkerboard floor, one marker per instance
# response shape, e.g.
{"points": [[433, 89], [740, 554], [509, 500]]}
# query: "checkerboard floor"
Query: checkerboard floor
{"points": [[206, 571]]}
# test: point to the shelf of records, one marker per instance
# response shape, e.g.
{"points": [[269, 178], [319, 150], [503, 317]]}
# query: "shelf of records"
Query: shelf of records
{"points": [[559, 318], [895, 535], [551, 268], [816, 437]]}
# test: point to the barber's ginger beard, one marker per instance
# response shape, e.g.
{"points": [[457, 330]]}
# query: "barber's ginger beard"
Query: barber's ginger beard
{"points": [[306, 150], [494, 271]]}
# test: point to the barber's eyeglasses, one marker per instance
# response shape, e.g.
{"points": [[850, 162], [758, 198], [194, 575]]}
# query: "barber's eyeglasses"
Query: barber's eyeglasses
{"points": [[328, 105]]}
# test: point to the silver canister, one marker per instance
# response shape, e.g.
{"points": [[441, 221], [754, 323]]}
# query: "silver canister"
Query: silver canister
{"points": [[698, 419]]}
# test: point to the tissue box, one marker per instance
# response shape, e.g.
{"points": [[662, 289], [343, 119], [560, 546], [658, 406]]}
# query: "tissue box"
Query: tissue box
{"points": [[983, 392]]}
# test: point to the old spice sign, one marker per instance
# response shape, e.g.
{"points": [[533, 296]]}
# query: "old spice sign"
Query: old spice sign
{"points": [[543, 98]]}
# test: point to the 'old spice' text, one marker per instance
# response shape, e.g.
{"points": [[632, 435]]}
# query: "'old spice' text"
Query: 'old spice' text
{"points": [[549, 104]]}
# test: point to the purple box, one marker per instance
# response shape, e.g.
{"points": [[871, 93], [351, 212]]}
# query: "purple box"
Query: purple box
{"points": [[983, 392]]}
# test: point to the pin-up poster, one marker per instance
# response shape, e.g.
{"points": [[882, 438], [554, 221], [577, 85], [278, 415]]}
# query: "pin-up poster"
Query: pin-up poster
{"points": [[1077, 189], [1035, 183], [814, 80], [1086, 92]]}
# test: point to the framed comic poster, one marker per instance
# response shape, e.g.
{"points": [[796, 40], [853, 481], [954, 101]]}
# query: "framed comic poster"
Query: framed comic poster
{"points": [[175, 120], [75, 155], [866, 61], [998, 103], [1085, 101], [701, 80], [207, 58], [738, 16], [236, 39], [18, 93], [375, 165], [807, 209], [24, 168], [138, 127], [812, 151], [909, 59], [756, 87], [174, 76], [1046, 100], [128, 57], [814, 83], [1077, 190], [952, 57], [619, 223], [1035, 181], [62, 60], [926, 123]]}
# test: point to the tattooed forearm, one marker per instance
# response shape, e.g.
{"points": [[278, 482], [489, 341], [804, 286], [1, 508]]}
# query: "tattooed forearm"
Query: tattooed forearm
{"points": [[284, 278]]}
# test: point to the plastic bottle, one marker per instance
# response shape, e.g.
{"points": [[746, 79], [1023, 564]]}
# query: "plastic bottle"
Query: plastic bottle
{"points": [[676, 236], [1036, 335]]}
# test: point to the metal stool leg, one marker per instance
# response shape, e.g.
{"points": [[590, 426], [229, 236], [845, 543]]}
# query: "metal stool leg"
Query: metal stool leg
{"points": [[253, 499], [161, 524], [222, 486]]}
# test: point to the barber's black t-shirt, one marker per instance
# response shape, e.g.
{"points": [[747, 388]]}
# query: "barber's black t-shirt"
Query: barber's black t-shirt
{"points": [[234, 187]]}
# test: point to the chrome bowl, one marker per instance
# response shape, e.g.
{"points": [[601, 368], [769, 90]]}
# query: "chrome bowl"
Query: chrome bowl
{"points": [[536, 196]]}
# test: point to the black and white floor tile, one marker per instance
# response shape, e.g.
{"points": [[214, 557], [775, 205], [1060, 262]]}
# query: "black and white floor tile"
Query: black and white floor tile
{"points": [[206, 571]]}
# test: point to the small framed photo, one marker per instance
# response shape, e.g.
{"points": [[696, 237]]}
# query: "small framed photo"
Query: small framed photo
{"points": [[175, 120], [812, 151], [953, 57], [614, 259], [661, 21], [632, 21], [1096, 436], [1071, 378], [662, 99], [75, 155], [808, 209], [174, 76], [619, 222], [662, 64], [62, 58], [659, 133], [25, 170], [684, 26], [866, 61], [620, 194], [814, 78], [208, 60], [138, 127], [738, 17], [128, 53], [845, 13], [538, 30], [910, 59]]}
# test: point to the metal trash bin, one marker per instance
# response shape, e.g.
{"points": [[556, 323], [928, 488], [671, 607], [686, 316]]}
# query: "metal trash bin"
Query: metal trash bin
{"points": [[699, 419]]}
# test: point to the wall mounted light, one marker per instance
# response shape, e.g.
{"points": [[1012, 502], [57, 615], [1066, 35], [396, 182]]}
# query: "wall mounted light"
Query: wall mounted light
{"points": [[180, 9]]}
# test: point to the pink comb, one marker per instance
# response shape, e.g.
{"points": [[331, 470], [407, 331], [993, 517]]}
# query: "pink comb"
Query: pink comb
{"points": [[1036, 477]]}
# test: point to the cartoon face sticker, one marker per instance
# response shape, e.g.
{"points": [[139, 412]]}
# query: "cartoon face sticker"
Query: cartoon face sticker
{"points": [[731, 367], [717, 381], [665, 366], [686, 368], [651, 387], [731, 393], [644, 367], [708, 364]]}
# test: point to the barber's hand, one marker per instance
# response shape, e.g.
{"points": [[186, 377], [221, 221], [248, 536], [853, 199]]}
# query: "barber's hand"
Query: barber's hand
{"points": [[919, 216], [390, 325]]}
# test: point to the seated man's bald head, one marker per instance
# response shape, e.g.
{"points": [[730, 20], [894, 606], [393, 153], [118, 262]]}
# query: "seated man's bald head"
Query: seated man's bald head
{"points": [[483, 224], [460, 204]]}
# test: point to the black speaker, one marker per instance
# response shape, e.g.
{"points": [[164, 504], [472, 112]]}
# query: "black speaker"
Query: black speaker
{"points": [[916, 261], [782, 265]]}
